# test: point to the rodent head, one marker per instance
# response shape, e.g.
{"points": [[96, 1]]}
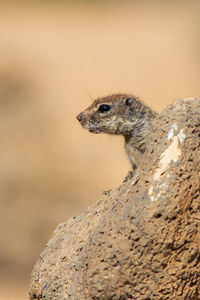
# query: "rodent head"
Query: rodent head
{"points": [[115, 114]]}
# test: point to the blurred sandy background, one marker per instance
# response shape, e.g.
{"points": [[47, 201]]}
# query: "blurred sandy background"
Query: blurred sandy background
{"points": [[55, 57]]}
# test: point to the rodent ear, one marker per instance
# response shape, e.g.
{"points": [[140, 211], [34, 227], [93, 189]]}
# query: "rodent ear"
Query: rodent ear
{"points": [[129, 101]]}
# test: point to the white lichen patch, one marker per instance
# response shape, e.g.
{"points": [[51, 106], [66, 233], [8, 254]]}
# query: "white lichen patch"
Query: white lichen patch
{"points": [[172, 131], [151, 192], [181, 136], [171, 155], [155, 196]]}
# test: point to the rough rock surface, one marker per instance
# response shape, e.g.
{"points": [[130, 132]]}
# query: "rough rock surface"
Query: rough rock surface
{"points": [[142, 241]]}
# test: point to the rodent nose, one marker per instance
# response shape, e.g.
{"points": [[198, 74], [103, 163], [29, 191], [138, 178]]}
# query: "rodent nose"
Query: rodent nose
{"points": [[79, 117]]}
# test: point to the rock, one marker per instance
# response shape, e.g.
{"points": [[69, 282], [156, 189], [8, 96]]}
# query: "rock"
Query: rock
{"points": [[141, 241]]}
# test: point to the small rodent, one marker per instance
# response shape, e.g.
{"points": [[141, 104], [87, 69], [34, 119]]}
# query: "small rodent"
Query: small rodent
{"points": [[120, 114]]}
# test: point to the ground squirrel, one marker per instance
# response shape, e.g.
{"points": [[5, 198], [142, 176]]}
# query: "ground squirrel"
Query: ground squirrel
{"points": [[120, 114]]}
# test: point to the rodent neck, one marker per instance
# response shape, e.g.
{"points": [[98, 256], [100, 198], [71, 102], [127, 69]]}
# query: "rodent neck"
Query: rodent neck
{"points": [[135, 141]]}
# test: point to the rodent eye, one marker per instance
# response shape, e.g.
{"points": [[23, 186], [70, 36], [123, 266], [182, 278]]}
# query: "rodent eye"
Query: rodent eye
{"points": [[129, 101], [104, 108]]}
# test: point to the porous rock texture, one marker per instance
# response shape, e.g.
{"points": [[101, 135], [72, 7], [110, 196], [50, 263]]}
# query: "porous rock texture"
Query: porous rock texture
{"points": [[141, 241]]}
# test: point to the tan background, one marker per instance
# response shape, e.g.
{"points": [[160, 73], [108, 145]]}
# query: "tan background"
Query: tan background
{"points": [[55, 57]]}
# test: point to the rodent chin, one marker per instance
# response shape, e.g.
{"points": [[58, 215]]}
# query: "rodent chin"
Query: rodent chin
{"points": [[94, 130]]}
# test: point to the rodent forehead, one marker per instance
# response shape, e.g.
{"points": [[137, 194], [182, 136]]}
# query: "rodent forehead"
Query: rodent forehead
{"points": [[115, 100]]}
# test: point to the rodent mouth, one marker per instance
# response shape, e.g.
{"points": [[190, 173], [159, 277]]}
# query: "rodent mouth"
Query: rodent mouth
{"points": [[93, 130]]}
